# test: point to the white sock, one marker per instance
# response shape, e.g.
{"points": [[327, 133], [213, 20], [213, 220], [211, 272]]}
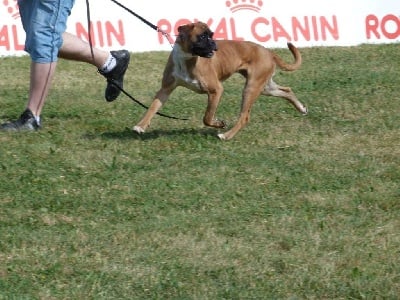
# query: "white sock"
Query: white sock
{"points": [[37, 119], [110, 63]]}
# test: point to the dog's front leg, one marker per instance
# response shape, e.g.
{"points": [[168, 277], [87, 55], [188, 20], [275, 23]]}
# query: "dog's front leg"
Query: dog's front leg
{"points": [[213, 101], [159, 100]]}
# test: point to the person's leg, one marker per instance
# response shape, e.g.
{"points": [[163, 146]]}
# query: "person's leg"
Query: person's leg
{"points": [[48, 22], [41, 77], [45, 22], [73, 48], [112, 65]]}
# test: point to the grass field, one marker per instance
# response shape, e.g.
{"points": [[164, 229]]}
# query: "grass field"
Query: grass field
{"points": [[293, 207]]}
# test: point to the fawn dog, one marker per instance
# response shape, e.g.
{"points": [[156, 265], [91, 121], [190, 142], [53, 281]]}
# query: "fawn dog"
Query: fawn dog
{"points": [[201, 64]]}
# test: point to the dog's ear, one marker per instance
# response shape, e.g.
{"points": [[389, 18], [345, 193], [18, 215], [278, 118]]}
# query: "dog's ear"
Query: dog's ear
{"points": [[186, 27], [181, 28], [184, 30]]}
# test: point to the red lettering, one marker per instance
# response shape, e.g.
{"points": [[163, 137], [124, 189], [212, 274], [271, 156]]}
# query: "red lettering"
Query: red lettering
{"points": [[333, 29], [396, 22], [305, 31], [208, 22], [260, 35], [388, 26], [6, 33], [181, 22], [100, 34], [17, 45], [221, 30], [278, 30], [371, 26], [225, 30], [112, 32], [107, 30], [234, 32], [315, 28], [264, 30], [167, 30], [320, 26], [165, 26], [5, 38], [82, 33]]}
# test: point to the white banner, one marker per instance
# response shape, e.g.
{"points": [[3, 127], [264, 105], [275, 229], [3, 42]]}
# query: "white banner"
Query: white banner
{"points": [[306, 23]]}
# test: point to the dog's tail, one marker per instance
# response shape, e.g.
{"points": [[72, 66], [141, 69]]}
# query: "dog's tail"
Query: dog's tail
{"points": [[297, 59]]}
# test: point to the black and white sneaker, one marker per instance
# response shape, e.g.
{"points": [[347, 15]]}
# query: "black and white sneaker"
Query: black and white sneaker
{"points": [[26, 122], [115, 78]]}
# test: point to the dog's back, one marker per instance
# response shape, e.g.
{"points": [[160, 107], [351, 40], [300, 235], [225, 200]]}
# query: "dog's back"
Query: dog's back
{"points": [[244, 55]]}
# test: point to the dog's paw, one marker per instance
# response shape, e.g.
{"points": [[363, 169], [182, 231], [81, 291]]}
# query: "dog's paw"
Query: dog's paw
{"points": [[138, 129], [222, 137], [305, 111]]}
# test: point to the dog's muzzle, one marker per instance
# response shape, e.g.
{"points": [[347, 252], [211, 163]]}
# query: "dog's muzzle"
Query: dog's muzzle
{"points": [[204, 47]]}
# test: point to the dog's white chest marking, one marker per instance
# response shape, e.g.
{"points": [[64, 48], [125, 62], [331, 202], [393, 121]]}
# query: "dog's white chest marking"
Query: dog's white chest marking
{"points": [[180, 71]]}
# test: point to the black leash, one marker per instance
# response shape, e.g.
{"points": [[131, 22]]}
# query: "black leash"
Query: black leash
{"points": [[156, 28], [89, 27], [111, 80], [141, 104]]}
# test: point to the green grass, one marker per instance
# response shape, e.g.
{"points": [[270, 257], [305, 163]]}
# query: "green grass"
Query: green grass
{"points": [[293, 207]]}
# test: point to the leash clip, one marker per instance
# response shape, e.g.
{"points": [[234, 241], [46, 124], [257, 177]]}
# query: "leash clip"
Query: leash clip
{"points": [[167, 36]]}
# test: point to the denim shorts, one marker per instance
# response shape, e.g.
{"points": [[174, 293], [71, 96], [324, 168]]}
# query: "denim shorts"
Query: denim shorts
{"points": [[44, 22]]}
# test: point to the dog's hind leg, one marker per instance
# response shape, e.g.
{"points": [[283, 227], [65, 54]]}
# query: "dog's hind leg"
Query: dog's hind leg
{"points": [[273, 89], [250, 95]]}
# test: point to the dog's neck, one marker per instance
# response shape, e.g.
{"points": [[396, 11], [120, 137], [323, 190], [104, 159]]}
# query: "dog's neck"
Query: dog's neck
{"points": [[181, 59], [180, 55]]}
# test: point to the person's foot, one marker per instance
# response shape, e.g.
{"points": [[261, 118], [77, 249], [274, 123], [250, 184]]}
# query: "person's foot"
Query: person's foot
{"points": [[115, 78], [26, 122]]}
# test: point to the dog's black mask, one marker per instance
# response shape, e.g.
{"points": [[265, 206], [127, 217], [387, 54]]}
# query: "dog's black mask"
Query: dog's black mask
{"points": [[205, 45]]}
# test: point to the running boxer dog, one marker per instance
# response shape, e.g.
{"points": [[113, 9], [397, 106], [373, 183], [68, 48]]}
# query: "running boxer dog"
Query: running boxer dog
{"points": [[201, 64]]}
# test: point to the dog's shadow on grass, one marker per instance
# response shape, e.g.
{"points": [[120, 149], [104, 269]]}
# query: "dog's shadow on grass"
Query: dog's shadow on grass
{"points": [[129, 134]]}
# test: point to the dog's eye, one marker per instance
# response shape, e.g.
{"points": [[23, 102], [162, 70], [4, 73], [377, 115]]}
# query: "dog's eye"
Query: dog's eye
{"points": [[204, 36]]}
